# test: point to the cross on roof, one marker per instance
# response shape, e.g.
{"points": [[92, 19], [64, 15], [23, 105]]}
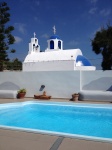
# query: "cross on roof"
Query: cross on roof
{"points": [[54, 29], [34, 34]]}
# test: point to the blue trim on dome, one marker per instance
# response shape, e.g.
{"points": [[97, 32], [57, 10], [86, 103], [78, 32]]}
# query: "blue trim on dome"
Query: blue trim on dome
{"points": [[55, 37], [83, 60]]}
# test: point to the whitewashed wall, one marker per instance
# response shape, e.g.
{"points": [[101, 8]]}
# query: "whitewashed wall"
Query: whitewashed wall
{"points": [[66, 65], [58, 84], [96, 80], [49, 65]]}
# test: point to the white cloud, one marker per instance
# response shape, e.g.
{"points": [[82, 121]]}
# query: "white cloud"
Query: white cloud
{"points": [[105, 12], [18, 39], [46, 36], [73, 43], [93, 10], [21, 27]]}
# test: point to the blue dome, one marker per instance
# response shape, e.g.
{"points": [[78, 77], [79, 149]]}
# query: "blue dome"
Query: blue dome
{"points": [[55, 37], [83, 61]]}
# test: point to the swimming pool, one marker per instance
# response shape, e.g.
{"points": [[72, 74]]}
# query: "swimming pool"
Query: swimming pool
{"points": [[84, 121]]}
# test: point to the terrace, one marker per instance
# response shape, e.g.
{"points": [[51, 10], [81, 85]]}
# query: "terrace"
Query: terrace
{"points": [[60, 85]]}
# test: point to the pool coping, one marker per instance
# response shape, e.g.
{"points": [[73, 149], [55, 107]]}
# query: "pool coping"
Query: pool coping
{"points": [[62, 103]]}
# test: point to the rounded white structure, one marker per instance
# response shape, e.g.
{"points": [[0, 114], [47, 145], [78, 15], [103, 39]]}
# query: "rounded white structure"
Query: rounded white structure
{"points": [[54, 58]]}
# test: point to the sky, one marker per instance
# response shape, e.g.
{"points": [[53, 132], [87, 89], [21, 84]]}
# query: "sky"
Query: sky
{"points": [[76, 23]]}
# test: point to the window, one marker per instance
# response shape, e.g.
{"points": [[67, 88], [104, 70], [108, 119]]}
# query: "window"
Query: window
{"points": [[51, 44], [59, 44]]}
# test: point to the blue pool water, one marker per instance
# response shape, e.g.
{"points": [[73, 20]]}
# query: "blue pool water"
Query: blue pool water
{"points": [[79, 120]]}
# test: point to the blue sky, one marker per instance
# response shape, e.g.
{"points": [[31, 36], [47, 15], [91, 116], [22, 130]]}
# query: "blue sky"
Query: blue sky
{"points": [[76, 23]]}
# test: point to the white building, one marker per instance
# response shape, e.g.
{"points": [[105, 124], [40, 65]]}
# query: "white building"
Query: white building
{"points": [[54, 58]]}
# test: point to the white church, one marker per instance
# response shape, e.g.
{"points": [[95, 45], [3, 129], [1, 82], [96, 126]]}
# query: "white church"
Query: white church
{"points": [[54, 58]]}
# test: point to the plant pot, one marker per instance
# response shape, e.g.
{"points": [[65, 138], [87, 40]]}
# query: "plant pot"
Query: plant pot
{"points": [[75, 97], [21, 95]]}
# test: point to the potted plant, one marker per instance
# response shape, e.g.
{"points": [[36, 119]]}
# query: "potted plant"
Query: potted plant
{"points": [[21, 93], [75, 96], [44, 93]]}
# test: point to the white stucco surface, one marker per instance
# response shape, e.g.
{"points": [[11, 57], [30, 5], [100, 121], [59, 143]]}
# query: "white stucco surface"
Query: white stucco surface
{"points": [[53, 55], [54, 58], [58, 84]]}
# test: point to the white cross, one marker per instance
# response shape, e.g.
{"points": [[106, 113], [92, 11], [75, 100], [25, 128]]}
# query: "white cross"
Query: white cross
{"points": [[34, 34], [54, 29]]}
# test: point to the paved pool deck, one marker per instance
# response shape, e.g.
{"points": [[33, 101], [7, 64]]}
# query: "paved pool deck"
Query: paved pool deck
{"points": [[21, 140]]}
